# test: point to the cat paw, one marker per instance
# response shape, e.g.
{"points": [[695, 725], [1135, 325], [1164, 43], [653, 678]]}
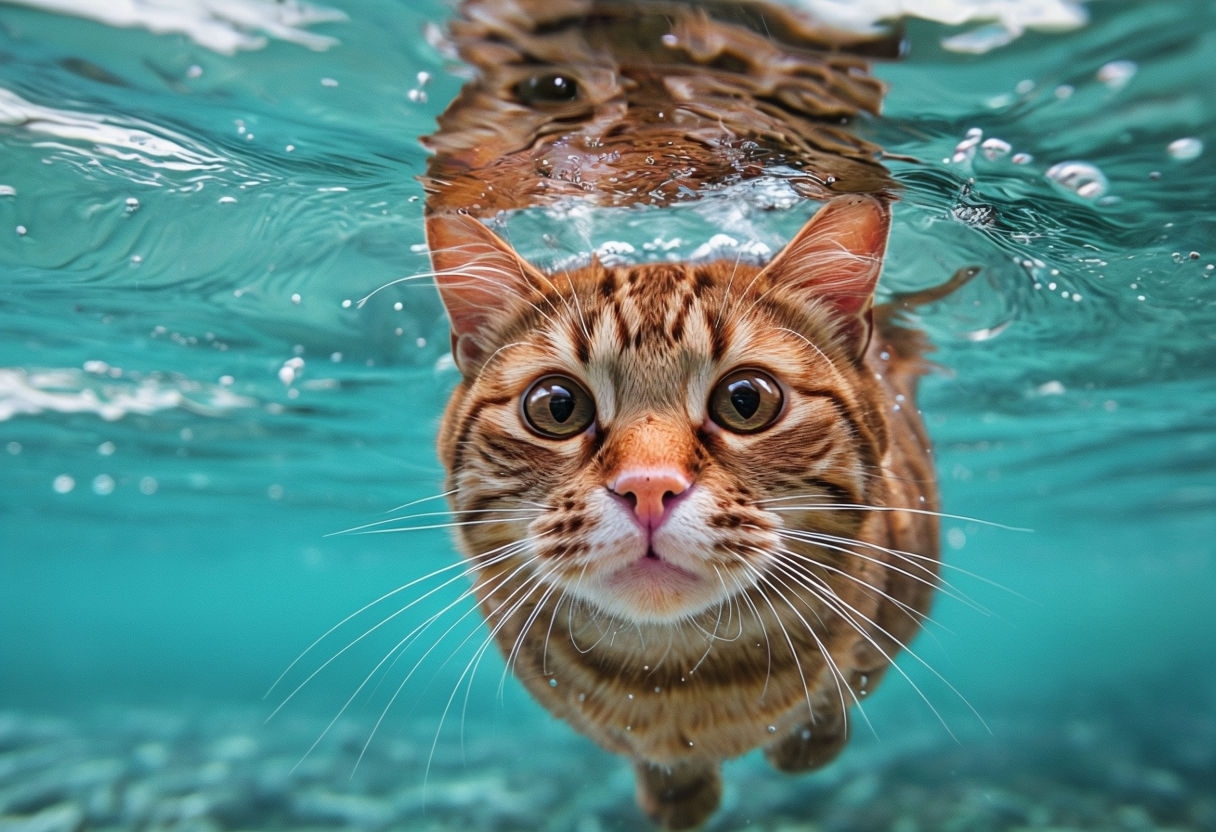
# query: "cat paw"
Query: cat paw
{"points": [[679, 797], [810, 746]]}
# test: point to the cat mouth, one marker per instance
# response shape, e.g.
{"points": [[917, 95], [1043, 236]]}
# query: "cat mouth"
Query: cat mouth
{"points": [[653, 589], [656, 572]]}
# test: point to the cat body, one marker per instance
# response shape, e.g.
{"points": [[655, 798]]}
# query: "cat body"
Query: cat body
{"points": [[696, 499]]}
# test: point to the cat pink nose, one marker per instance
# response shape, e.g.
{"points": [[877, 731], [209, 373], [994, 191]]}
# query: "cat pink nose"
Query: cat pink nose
{"points": [[651, 492]]}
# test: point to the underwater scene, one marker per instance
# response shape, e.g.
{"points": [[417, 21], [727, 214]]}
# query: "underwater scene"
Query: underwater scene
{"points": [[229, 593]]}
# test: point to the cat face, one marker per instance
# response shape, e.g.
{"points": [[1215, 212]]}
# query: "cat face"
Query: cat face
{"points": [[635, 437]]}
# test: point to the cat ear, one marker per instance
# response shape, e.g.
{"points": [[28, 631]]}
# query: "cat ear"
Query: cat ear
{"points": [[482, 282], [835, 260]]}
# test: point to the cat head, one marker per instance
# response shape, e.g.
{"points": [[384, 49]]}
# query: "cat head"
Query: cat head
{"points": [[648, 438]]}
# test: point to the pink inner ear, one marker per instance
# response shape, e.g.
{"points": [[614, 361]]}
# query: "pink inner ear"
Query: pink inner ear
{"points": [[480, 279], [836, 259]]}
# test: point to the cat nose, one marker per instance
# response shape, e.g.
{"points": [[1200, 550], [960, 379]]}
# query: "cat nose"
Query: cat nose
{"points": [[650, 492]]}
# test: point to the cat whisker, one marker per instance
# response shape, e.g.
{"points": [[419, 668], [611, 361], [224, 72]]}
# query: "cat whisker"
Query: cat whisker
{"points": [[930, 578], [513, 654], [443, 495], [524, 591], [505, 579], [814, 347], [466, 570], [573, 304], [474, 663], [476, 269], [743, 594], [767, 503], [712, 636], [544, 656], [760, 577], [376, 526], [844, 691], [911, 611], [591, 612], [728, 295], [847, 611], [914, 559], [394, 652], [427, 275]]}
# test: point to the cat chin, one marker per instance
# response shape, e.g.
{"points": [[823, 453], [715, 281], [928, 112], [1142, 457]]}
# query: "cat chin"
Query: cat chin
{"points": [[652, 591]]}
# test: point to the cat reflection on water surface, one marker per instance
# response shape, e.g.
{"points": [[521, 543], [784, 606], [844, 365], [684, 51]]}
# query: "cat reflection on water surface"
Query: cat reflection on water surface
{"points": [[695, 498]]}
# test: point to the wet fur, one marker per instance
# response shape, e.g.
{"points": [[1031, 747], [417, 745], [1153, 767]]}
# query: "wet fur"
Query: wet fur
{"points": [[804, 555], [815, 540]]}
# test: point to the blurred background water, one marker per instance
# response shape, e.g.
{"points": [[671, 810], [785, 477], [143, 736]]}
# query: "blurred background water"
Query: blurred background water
{"points": [[194, 199]]}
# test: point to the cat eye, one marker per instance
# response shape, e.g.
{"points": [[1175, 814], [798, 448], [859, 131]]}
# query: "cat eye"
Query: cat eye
{"points": [[558, 407], [553, 88], [746, 401]]}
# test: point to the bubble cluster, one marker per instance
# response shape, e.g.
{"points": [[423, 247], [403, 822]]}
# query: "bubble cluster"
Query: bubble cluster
{"points": [[1081, 178]]}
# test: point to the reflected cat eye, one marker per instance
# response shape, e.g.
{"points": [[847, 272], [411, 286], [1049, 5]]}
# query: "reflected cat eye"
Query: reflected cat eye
{"points": [[552, 88], [746, 401], [558, 407]]}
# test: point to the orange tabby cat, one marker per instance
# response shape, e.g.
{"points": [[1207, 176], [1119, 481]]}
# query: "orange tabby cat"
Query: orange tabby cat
{"points": [[697, 497], [681, 487]]}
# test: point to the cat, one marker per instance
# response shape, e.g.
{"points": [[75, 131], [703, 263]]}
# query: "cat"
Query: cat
{"points": [[697, 498]]}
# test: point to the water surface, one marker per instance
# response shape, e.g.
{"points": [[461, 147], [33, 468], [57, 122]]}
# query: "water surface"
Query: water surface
{"points": [[193, 399]]}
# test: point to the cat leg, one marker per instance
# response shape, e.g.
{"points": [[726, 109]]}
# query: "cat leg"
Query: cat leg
{"points": [[682, 796], [810, 745]]}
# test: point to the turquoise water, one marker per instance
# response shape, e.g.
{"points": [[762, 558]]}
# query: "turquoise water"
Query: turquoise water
{"points": [[193, 401]]}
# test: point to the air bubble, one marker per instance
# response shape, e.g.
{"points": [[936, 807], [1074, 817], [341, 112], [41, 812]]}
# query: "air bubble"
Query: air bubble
{"points": [[956, 538], [103, 484], [995, 148], [1082, 178], [63, 484], [965, 149], [552, 683], [1117, 74], [290, 370], [1184, 150], [772, 729]]}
